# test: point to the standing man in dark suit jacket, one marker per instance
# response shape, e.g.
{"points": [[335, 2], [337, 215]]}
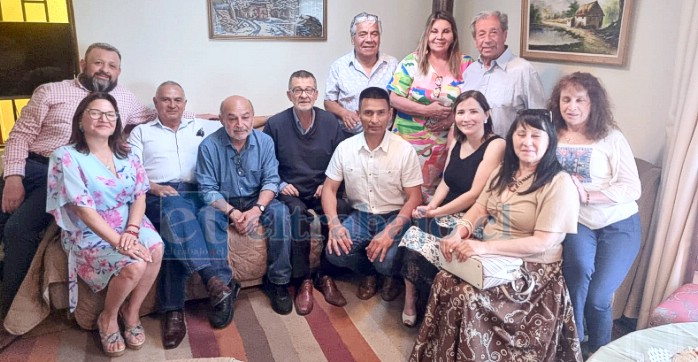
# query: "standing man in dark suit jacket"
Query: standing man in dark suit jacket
{"points": [[305, 138]]}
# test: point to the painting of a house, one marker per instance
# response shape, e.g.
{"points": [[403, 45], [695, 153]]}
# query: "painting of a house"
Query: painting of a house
{"points": [[576, 30], [267, 19], [589, 15]]}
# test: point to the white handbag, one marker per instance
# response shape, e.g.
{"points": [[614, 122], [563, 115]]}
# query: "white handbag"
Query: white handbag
{"points": [[489, 271]]}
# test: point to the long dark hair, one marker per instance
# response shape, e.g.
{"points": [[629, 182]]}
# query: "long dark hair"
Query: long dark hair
{"points": [[547, 167], [600, 116], [482, 101], [115, 141]]}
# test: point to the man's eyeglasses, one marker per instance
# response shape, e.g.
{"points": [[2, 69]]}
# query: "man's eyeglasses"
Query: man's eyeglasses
{"points": [[298, 91], [361, 17], [238, 165], [437, 82], [536, 112], [96, 114]]}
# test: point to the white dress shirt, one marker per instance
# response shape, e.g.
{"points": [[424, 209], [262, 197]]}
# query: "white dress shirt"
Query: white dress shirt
{"points": [[167, 155], [375, 180]]}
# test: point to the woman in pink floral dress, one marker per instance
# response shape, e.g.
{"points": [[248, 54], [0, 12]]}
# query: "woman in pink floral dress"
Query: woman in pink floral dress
{"points": [[96, 192]]}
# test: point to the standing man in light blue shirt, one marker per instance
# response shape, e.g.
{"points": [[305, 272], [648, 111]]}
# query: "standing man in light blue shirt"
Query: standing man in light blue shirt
{"points": [[361, 68], [510, 83], [167, 148], [238, 178]]}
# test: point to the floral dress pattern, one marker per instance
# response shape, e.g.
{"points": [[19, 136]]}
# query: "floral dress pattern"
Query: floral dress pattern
{"points": [[82, 180], [424, 89]]}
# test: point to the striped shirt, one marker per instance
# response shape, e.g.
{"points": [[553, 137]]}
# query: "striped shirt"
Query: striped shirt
{"points": [[46, 121]]}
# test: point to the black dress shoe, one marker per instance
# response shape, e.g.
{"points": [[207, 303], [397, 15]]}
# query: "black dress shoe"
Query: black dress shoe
{"points": [[278, 295], [221, 314], [174, 328]]}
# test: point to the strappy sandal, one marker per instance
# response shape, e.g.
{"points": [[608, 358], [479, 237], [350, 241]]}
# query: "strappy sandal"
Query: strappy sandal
{"points": [[111, 339], [132, 336]]}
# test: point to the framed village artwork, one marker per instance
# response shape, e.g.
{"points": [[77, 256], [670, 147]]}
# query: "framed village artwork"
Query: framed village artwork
{"points": [[582, 31], [268, 19]]}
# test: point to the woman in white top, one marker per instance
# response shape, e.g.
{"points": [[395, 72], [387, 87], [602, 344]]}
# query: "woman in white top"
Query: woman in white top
{"points": [[595, 153]]}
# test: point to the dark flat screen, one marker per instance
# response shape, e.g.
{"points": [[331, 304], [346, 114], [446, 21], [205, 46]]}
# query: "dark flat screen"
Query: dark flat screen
{"points": [[32, 54]]}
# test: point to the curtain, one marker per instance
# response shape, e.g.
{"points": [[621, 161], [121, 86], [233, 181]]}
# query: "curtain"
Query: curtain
{"points": [[674, 222]]}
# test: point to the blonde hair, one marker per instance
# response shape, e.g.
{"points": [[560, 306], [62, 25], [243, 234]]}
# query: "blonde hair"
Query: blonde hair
{"points": [[454, 55]]}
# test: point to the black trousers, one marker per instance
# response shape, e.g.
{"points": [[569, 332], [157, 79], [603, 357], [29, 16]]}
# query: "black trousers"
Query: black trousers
{"points": [[21, 230], [300, 232]]}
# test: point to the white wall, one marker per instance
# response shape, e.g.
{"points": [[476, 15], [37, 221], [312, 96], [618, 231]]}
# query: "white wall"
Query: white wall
{"points": [[165, 39], [640, 91]]}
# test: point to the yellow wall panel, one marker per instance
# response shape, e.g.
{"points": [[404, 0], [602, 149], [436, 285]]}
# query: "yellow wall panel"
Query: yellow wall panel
{"points": [[58, 11], [35, 12], [20, 103], [11, 10], [7, 119]]}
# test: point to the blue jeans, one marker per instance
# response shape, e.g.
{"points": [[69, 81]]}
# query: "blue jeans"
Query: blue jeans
{"points": [[20, 231], [277, 224], [595, 262], [362, 227], [186, 249]]}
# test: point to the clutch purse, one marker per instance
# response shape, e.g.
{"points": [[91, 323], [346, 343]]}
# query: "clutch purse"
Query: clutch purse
{"points": [[484, 272]]}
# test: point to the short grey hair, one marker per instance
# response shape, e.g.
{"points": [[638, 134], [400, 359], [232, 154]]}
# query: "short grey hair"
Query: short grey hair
{"points": [[104, 46], [169, 82], [364, 17], [503, 19]]}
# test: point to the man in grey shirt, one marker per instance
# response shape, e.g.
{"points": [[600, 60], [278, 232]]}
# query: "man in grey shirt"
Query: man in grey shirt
{"points": [[510, 83]]}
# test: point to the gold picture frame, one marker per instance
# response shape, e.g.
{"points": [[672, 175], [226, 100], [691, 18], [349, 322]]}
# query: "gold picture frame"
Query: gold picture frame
{"points": [[268, 19], [584, 32]]}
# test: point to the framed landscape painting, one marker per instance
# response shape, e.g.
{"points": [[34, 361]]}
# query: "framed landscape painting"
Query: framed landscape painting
{"points": [[576, 30], [268, 19]]}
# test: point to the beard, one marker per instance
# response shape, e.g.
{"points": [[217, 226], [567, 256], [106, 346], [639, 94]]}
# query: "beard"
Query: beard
{"points": [[94, 84]]}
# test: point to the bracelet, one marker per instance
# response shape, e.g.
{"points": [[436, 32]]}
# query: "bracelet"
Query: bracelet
{"points": [[467, 224], [134, 225], [587, 201], [232, 208], [131, 232]]}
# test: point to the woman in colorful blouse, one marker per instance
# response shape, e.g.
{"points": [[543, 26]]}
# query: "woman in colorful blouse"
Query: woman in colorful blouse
{"points": [[594, 151], [423, 88], [96, 192]]}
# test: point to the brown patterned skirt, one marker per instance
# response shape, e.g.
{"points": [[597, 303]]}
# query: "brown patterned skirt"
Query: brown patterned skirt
{"points": [[463, 323]]}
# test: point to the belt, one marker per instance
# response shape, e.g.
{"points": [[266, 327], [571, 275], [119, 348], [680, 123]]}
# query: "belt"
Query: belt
{"points": [[38, 158]]}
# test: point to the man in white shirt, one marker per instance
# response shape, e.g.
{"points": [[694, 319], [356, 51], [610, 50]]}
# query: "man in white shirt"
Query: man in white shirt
{"points": [[168, 149], [362, 67], [383, 181], [510, 83]]}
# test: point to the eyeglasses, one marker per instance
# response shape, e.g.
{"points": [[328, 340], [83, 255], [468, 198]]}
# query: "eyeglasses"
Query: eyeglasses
{"points": [[536, 112], [298, 91], [238, 165], [96, 114], [361, 17], [437, 82]]}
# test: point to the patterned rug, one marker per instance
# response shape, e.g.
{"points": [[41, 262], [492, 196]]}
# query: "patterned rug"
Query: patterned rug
{"points": [[361, 331]]}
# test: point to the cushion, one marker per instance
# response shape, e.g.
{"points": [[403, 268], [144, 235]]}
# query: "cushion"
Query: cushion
{"points": [[680, 307]]}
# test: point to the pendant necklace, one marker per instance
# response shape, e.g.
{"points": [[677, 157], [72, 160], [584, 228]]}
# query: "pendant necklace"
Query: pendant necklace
{"points": [[516, 183]]}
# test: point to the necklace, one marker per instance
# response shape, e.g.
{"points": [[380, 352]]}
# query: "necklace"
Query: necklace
{"points": [[516, 183]]}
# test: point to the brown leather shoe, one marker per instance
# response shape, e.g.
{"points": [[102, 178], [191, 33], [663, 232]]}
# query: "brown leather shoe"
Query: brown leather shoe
{"points": [[174, 328], [367, 287], [304, 298], [391, 289], [330, 291]]}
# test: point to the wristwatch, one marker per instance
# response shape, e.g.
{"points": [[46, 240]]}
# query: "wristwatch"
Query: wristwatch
{"points": [[261, 207]]}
